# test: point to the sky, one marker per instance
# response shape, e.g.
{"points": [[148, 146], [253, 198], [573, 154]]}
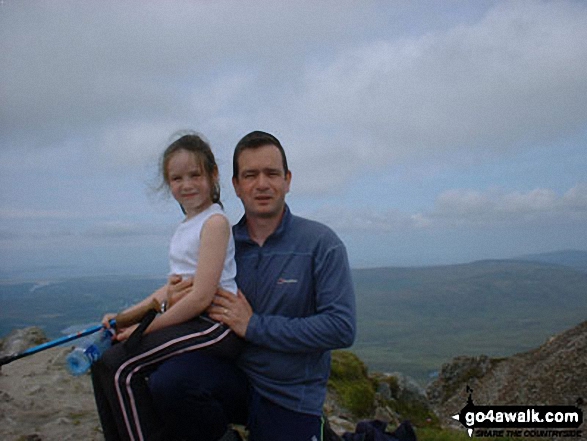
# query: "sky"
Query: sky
{"points": [[422, 132]]}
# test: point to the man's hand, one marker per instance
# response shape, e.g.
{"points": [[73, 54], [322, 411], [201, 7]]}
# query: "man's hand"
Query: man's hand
{"points": [[177, 288], [231, 310]]}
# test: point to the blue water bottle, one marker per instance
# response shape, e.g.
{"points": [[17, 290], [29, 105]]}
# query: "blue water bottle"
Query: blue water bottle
{"points": [[81, 358]]}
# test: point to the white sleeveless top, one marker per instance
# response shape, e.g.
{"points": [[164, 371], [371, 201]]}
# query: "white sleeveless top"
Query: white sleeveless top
{"points": [[185, 246]]}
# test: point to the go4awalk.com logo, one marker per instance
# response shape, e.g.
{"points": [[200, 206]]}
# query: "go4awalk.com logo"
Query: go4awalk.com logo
{"points": [[520, 421]]}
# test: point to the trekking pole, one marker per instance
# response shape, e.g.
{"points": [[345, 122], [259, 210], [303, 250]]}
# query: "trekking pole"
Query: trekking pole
{"points": [[121, 320]]}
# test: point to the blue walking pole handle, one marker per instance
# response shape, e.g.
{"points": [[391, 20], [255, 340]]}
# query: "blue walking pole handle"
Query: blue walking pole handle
{"points": [[50, 344], [124, 319]]}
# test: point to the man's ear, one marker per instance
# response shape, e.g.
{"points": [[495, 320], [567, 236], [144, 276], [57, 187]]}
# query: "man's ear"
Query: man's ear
{"points": [[236, 186], [287, 181]]}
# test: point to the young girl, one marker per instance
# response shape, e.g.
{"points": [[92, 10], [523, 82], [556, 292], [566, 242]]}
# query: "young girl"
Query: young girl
{"points": [[202, 248]]}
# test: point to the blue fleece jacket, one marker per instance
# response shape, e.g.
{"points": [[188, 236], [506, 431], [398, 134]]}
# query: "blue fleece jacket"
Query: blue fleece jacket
{"points": [[300, 288]]}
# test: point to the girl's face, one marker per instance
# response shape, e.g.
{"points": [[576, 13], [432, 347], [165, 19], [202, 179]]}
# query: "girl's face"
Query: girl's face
{"points": [[189, 183]]}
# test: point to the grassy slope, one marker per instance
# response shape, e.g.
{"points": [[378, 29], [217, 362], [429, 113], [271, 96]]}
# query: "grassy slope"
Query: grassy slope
{"points": [[410, 319], [415, 319]]}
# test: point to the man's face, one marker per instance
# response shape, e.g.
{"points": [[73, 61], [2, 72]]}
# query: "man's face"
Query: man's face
{"points": [[261, 183]]}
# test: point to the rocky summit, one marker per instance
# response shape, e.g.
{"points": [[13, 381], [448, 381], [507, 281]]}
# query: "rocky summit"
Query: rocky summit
{"points": [[553, 374], [40, 400]]}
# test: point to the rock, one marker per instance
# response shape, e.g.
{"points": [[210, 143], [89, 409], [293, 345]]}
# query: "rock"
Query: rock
{"points": [[386, 414], [341, 425], [405, 387], [350, 391], [384, 391], [553, 374], [457, 374], [400, 397], [5, 397], [353, 395], [40, 400], [22, 339]]}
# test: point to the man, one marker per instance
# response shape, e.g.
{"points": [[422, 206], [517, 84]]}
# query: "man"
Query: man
{"points": [[296, 305]]}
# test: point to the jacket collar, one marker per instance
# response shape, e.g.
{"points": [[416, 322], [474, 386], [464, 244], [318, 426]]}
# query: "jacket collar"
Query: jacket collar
{"points": [[241, 232]]}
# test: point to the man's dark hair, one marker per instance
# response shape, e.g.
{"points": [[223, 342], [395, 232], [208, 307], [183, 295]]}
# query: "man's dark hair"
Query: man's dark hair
{"points": [[255, 140]]}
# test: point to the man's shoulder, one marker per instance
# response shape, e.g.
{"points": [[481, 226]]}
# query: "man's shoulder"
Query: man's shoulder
{"points": [[309, 224], [310, 228]]}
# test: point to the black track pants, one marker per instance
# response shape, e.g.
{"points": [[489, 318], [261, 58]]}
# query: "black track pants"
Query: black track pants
{"points": [[120, 377]]}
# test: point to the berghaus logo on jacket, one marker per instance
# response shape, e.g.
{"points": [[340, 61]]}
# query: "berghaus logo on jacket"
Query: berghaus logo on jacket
{"points": [[283, 281]]}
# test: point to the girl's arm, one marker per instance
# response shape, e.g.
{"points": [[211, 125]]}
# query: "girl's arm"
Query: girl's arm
{"points": [[174, 289], [214, 239], [159, 295]]}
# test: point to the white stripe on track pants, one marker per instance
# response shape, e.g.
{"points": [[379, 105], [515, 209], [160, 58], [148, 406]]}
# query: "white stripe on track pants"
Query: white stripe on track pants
{"points": [[120, 377]]}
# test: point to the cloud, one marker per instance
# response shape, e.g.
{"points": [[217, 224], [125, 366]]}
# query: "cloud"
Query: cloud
{"points": [[514, 78], [576, 198], [34, 214], [466, 208], [115, 79], [342, 219], [121, 229], [6, 234], [73, 67], [37, 240], [495, 207]]}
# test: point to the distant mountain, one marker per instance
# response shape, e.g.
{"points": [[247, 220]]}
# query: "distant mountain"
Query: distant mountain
{"points": [[415, 319], [68, 304], [411, 320], [573, 258]]}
